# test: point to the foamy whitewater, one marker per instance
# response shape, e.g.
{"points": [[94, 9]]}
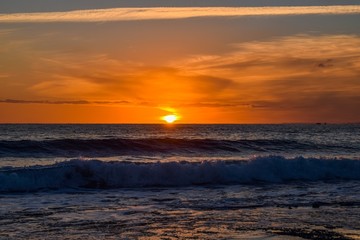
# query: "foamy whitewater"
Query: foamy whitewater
{"points": [[289, 181]]}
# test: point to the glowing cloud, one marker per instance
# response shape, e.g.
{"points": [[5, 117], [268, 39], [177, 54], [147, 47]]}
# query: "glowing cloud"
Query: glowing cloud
{"points": [[128, 14]]}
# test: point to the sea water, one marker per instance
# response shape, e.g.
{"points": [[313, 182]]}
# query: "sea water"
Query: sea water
{"points": [[286, 181]]}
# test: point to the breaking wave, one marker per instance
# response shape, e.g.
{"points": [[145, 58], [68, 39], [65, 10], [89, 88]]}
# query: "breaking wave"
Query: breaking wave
{"points": [[95, 174], [117, 147]]}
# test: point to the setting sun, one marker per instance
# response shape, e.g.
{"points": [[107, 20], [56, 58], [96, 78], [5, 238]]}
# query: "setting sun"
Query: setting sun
{"points": [[170, 118]]}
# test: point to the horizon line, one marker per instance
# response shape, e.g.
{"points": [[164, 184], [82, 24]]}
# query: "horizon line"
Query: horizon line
{"points": [[172, 124]]}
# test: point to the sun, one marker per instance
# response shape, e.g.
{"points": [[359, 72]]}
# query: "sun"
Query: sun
{"points": [[171, 118]]}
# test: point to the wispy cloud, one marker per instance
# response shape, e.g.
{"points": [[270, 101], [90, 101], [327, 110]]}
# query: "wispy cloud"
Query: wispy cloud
{"points": [[5, 32], [129, 14], [308, 77], [74, 102], [4, 75], [297, 78], [288, 57]]}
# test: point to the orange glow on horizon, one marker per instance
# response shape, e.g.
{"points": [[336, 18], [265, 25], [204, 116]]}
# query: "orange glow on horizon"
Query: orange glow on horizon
{"points": [[124, 73]]}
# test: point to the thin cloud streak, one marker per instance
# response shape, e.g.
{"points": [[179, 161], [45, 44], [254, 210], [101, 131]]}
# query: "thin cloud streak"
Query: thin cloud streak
{"points": [[131, 14], [75, 102]]}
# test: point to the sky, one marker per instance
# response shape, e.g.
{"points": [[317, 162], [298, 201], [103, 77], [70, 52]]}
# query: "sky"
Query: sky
{"points": [[217, 61]]}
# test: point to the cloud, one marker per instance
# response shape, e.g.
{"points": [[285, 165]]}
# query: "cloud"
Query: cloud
{"points": [[130, 14], [5, 32], [4, 75], [65, 85], [74, 102], [215, 104], [286, 57], [282, 74], [300, 77], [304, 76]]}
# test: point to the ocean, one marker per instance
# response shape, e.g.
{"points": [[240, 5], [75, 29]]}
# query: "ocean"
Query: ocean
{"points": [[179, 181]]}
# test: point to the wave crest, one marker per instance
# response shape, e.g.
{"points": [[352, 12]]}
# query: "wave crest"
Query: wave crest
{"points": [[95, 174], [118, 147]]}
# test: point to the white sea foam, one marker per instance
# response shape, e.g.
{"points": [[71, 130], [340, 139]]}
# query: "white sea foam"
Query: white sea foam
{"points": [[96, 174]]}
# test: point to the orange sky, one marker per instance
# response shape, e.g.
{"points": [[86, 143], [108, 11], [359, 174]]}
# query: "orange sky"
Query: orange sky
{"points": [[207, 70]]}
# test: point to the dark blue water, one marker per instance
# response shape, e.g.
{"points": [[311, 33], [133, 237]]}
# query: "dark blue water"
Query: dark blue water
{"points": [[291, 181], [113, 156], [34, 141]]}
